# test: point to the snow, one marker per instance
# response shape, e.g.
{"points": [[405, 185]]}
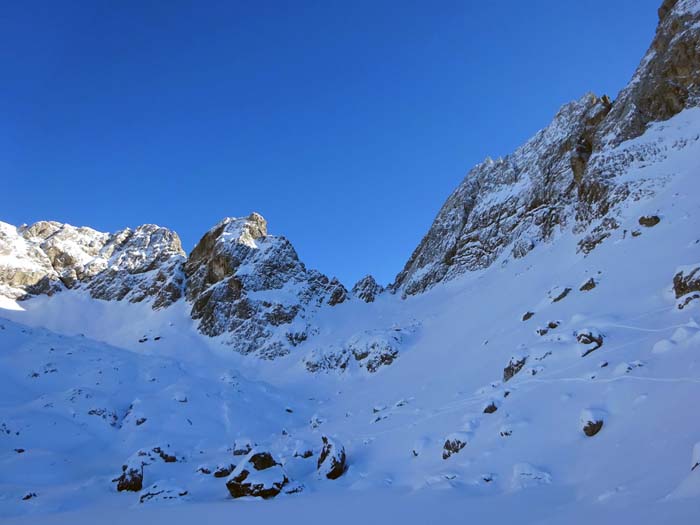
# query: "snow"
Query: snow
{"points": [[77, 375]]}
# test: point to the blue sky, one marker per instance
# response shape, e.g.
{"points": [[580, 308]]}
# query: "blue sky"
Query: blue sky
{"points": [[345, 124]]}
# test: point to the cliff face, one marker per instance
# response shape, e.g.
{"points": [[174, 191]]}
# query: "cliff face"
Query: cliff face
{"points": [[565, 176], [253, 289], [133, 265]]}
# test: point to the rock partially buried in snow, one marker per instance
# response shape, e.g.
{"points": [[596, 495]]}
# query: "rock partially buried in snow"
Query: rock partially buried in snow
{"points": [[221, 471], [592, 421], [686, 285], [591, 338], [371, 350], [560, 294], [649, 220], [161, 492], [588, 285], [490, 408], [514, 366], [258, 476], [332, 461], [454, 443], [131, 478], [526, 476]]}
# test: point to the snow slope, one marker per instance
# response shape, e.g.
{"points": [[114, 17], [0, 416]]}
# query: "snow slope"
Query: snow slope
{"points": [[85, 385]]}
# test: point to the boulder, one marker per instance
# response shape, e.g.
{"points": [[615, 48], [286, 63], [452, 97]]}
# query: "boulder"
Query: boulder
{"points": [[649, 221], [332, 462], [588, 285], [514, 366], [591, 421], [131, 478], [258, 476], [490, 408], [222, 471]]}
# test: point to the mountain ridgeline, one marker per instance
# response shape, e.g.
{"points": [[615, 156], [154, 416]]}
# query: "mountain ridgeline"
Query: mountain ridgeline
{"points": [[250, 288]]}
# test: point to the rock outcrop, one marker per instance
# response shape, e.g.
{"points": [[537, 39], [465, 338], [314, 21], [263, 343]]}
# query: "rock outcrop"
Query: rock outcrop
{"points": [[332, 461], [370, 350], [251, 288], [686, 285], [453, 444], [258, 476], [132, 265]]}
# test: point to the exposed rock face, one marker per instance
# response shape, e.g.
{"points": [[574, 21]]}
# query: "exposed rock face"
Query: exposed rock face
{"points": [[332, 462], [252, 287], [518, 200], [367, 289], [132, 265], [565, 176], [667, 79]]}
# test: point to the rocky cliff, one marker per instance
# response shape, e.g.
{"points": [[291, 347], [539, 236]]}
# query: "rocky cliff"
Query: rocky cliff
{"points": [[565, 176], [252, 288]]}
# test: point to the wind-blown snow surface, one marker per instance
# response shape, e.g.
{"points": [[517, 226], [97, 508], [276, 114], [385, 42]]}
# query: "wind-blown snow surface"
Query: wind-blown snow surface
{"points": [[77, 375]]}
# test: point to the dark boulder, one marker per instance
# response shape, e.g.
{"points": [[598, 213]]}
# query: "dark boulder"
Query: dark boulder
{"points": [[332, 461]]}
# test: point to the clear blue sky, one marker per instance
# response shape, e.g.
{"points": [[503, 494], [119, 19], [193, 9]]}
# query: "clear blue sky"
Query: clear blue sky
{"points": [[345, 124]]}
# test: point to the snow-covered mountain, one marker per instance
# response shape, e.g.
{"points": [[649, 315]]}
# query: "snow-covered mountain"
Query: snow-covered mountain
{"points": [[536, 360]]}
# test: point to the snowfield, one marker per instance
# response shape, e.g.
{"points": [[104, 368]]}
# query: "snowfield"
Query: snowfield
{"points": [[583, 412]]}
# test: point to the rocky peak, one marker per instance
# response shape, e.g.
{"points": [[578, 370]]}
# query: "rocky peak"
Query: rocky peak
{"points": [[367, 289], [49, 256], [251, 287]]}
